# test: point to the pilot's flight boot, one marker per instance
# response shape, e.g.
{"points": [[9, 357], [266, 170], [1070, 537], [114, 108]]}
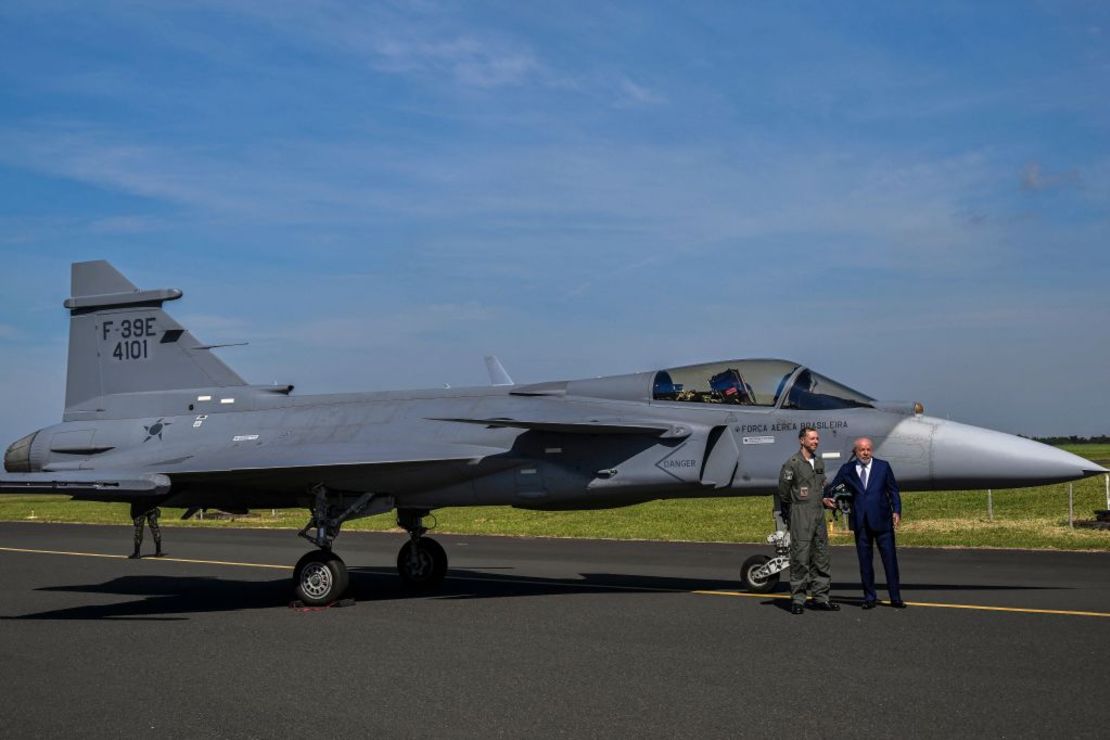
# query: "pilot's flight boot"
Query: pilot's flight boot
{"points": [[135, 555], [158, 551]]}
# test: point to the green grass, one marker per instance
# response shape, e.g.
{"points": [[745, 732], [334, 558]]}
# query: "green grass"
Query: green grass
{"points": [[1097, 452], [1024, 518]]}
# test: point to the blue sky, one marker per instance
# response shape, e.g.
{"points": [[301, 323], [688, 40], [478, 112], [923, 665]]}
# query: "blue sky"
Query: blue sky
{"points": [[912, 199]]}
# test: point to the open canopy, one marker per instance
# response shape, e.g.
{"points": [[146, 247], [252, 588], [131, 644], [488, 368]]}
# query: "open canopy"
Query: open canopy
{"points": [[777, 383]]}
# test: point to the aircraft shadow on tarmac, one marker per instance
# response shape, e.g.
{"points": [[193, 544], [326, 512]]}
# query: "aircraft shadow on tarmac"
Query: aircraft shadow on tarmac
{"points": [[170, 598]]}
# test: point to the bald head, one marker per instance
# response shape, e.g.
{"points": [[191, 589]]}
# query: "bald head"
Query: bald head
{"points": [[863, 449]]}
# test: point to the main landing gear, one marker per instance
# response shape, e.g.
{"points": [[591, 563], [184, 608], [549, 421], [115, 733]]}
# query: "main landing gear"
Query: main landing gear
{"points": [[320, 577]]}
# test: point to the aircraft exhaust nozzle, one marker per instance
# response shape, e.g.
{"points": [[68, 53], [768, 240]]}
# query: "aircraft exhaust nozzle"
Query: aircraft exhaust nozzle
{"points": [[966, 456]]}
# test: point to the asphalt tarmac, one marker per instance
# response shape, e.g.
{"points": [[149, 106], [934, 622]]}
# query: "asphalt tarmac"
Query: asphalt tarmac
{"points": [[536, 637]]}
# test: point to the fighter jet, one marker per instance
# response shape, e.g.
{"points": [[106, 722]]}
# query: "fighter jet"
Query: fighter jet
{"points": [[153, 417]]}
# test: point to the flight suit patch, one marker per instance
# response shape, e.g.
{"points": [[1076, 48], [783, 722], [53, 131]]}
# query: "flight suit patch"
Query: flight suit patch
{"points": [[789, 475], [803, 492]]}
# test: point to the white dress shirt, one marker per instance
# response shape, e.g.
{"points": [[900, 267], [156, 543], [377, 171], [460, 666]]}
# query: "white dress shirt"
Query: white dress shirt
{"points": [[860, 467]]}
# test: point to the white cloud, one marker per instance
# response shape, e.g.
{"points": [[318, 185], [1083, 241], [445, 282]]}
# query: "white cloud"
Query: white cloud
{"points": [[468, 60], [125, 225], [418, 39], [250, 184], [373, 327], [1033, 178], [630, 94], [677, 199]]}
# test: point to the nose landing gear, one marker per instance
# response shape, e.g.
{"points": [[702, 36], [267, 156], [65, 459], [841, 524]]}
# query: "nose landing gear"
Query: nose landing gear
{"points": [[422, 562], [759, 573]]}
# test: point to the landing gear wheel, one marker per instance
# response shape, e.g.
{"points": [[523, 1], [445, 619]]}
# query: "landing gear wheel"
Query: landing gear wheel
{"points": [[750, 582], [320, 578], [422, 563]]}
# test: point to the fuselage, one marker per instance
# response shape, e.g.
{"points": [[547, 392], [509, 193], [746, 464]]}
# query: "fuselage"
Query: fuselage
{"points": [[263, 447]]}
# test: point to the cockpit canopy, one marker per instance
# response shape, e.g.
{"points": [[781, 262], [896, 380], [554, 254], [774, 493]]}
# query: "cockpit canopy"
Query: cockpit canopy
{"points": [[769, 383]]}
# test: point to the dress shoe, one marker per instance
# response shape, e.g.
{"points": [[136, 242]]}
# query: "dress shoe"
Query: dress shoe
{"points": [[868, 604], [898, 604], [797, 608], [825, 606]]}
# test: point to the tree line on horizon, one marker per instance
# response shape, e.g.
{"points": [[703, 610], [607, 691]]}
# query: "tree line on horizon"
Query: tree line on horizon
{"points": [[1073, 439]]}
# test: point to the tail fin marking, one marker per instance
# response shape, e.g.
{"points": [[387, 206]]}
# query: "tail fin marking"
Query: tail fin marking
{"points": [[121, 341]]}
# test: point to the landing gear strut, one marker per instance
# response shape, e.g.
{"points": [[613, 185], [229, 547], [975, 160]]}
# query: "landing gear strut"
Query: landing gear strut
{"points": [[759, 573], [321, 576], [422, 562]]}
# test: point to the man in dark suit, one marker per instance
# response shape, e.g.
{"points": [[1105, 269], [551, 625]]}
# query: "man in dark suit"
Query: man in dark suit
{"points": [[876, 512]]}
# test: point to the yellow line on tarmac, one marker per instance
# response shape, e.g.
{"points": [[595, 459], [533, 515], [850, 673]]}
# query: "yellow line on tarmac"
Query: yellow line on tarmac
{"points": [[742, 593], [223, 562], [1019, 610], [931, 604], [148, 557], [63, 552]]}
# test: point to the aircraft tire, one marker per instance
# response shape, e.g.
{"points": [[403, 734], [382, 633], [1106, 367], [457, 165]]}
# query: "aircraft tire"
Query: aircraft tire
{"points": [[320, 578], [429, 567], [757, 585]]}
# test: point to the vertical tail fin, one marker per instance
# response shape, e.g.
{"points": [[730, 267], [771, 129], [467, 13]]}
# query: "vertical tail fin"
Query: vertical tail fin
{"points": [[497, 374], [121, 341]]}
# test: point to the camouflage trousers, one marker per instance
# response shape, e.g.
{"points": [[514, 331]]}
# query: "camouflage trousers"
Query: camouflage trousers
{"points": [[150, 516]]}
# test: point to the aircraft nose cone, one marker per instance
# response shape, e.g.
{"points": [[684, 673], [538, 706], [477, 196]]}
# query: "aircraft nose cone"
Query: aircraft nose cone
{"points": [[965, 456]]}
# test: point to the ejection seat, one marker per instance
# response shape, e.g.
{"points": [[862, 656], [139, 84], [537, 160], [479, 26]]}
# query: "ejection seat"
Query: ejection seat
{"points": [[731, 387]]}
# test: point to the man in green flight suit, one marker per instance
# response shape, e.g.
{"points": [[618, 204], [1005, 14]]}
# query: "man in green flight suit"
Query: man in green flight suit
{"points": [[799, 502]]}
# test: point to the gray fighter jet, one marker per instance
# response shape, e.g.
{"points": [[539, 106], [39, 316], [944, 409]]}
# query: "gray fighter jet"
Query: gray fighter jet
{"points": [[153, 417]]}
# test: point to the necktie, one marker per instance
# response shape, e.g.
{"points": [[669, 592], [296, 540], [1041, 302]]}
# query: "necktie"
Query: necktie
{"points": [[863, 476]]}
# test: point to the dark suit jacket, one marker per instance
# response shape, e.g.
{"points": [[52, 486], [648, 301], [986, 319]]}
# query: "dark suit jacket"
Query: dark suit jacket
{"points": [[875, 505]]}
